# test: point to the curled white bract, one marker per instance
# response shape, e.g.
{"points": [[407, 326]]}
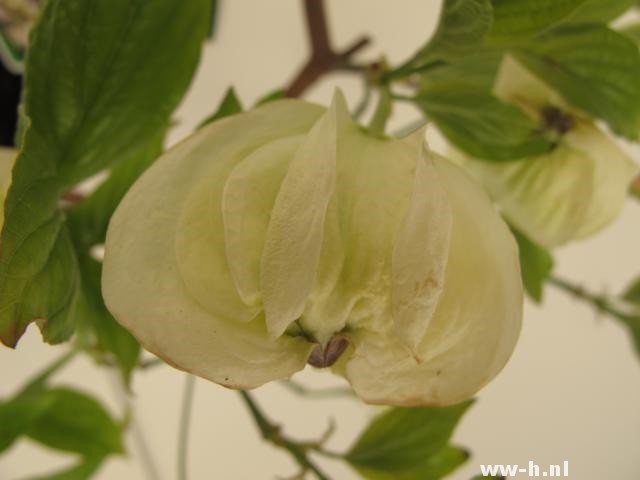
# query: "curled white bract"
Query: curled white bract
{"points": [[288, 235], [573, 191]]}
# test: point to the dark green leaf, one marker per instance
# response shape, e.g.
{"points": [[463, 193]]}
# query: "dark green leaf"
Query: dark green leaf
{"points": [[632, 292], [102, 77], [536, 264], [230, 105], [75, 422], [481, 125], [461, 29], [518, 20], [594, 69], [401, 441]]}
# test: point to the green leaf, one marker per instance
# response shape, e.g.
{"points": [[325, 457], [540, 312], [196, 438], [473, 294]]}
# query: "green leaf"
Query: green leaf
{"points": [[408, 443], [101, 333], [481, 125], [536, 264], [518, 20], [75, 422], [277, 94], [632, 292], [230, 105], [594, 69], [82, 471], [17, 415], [89, 220], [434, 467], [632, 322], [461, 29], [98, 84], [477, 70], [632, 32]]}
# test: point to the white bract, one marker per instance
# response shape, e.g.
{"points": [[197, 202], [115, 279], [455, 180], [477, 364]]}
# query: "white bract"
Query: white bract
{"points": [[288, 235], [568, 194]]}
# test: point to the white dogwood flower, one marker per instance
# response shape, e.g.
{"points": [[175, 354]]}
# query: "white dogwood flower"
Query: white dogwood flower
{"points": [[573, 191], [288, 235]]}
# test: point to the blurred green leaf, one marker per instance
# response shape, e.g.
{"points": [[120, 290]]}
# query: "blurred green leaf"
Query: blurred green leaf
{"points": [[519, 20], [82, 471], [433, 467], [97, 86], [476, 70], [17, 415], [75, 422], [409, 444], [271, 96], [594, 69], [632, 31], [461, 29], [481, 125], [632, 292], [536, 265], [230, 105]]}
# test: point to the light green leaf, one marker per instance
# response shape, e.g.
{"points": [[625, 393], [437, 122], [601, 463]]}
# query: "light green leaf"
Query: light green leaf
{"points": [[481, 125], [594, 69], [461, 29], [536, 264], [518, 20], [75, 422], [230, 105], [404, 443], [97, 85]]}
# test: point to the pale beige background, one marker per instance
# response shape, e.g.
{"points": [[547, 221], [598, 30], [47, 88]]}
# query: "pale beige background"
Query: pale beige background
{"points": [[571, 392]]}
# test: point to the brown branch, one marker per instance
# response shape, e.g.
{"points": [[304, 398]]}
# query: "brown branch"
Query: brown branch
{"points": [[323, 59]]}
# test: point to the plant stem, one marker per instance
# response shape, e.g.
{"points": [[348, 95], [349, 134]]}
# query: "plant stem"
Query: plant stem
{"points": [[272, 434], [600, 302], [185, 421], [323, 58]]}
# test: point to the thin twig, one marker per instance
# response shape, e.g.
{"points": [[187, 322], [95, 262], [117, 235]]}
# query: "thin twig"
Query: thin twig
{"points": [[272, 434], [600, 302], [185, 422], [323, 59]]}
